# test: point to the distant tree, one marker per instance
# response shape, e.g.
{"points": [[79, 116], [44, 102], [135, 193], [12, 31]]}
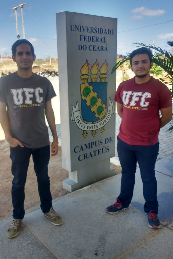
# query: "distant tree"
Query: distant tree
{"points": [[156, 70], [119, 63], [123, 67], [39, 60], [47, 58]]}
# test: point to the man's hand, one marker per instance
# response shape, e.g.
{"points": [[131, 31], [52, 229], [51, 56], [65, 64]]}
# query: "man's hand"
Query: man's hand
{"points": [[14, 142], [51, 121], [54, 148]]}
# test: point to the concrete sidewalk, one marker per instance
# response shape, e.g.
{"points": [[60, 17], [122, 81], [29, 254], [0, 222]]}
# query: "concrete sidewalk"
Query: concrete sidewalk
{"points": [[89, 232]]}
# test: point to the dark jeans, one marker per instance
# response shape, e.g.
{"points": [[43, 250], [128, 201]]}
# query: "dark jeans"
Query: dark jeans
{"points": [[20, 161], [146, 157]]}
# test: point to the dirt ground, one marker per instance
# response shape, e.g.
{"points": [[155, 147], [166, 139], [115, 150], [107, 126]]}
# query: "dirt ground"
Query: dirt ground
{"points": [[56, 172]]}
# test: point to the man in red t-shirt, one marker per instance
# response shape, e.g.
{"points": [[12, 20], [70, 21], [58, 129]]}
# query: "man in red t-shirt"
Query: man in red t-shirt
{"points": [[139, 101]]}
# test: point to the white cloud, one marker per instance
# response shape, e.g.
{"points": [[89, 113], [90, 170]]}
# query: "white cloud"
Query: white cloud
{"points": [[33, 40], [153, 12], [3, 49], [165, 36], [140, 12], [137, 17]]}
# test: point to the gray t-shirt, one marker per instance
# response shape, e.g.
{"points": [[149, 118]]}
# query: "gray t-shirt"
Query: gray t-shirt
{"points": [[25, 99]]}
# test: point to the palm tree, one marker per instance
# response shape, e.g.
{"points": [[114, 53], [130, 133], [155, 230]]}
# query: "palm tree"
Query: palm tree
{"points": [[162, 58], [170, 43]]}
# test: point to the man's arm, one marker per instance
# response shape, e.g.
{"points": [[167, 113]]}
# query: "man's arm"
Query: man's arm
{"points": [[166, 116], [120, 109], [5, 125], [51, 121]]}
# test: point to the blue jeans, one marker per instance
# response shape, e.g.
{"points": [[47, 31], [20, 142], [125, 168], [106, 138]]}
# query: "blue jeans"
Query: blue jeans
{"points": [[20, 161], [146, 157]]}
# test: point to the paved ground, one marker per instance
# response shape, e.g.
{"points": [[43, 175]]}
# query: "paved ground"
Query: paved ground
{"points": [[89, 232]]}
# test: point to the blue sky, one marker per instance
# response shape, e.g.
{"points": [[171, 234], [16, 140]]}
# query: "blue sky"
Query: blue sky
{"points": [[138, 21]]}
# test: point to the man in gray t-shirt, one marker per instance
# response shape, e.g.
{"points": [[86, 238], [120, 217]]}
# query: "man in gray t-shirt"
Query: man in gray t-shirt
{"points": [[25, 99], [26, 102]]}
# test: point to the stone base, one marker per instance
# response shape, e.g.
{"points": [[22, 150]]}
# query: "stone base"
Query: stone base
{"points": [[88, 175]]}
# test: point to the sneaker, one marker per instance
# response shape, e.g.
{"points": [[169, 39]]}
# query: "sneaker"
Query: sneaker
{"points": [[14, 228], [153, 220], [54, 218], [116, 207]]}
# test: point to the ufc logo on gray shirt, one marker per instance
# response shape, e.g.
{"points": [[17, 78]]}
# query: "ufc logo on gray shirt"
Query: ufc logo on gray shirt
{"points": [[26, 95]]}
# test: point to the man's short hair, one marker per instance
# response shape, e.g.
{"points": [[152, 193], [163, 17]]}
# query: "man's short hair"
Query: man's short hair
{"points": [[22, 41], [142, 50]]}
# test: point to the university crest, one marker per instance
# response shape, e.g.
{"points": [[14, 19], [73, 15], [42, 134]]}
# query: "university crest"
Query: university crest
{"points": [[94, 113]]}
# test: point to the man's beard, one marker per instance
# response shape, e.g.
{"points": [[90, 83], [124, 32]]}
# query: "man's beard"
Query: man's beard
{"points": [[27, 68], [141, 76]]}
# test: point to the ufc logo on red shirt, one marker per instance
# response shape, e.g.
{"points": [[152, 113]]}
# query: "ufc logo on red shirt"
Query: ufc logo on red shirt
{"points": [[136, 96]]}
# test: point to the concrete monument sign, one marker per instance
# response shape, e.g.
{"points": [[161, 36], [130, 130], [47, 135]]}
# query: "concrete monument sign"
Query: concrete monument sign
{"points": [[86, 55]]}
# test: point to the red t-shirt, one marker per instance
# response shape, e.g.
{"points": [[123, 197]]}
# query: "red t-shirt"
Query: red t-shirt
{"points": [[140, 123]]}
